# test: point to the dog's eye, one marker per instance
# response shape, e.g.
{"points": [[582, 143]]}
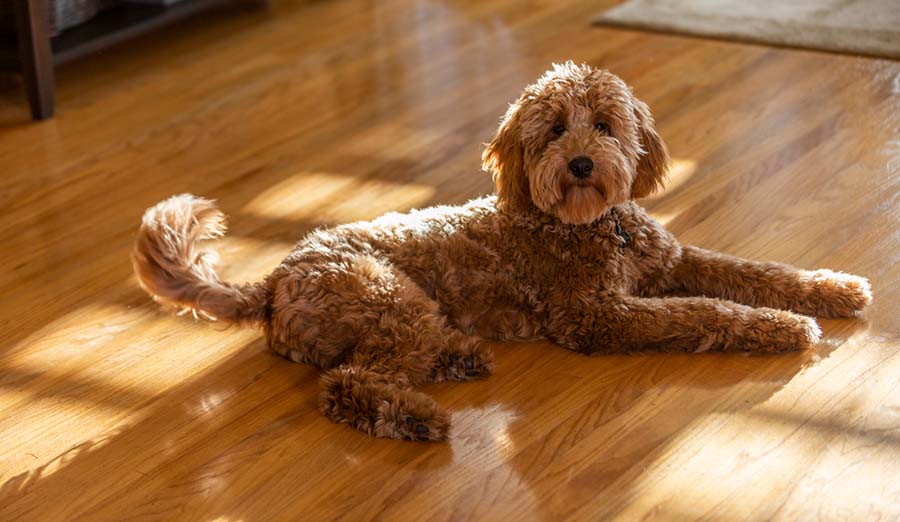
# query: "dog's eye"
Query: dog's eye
{"points": [[602, 127], [558, 129]]}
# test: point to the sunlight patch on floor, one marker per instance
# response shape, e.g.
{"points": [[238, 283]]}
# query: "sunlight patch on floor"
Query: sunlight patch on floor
{"points": [[480, 441], [664, 217], [36, 465], [709, 459], [86, 349], [715, 456], [490, 425], [92, 370], [680, 171], [248, 259], [76, 333], [336, 198]]}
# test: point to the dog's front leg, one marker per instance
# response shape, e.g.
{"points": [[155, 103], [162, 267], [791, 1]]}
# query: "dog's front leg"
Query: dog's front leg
{"points": [[694, 324], [822, 293]]}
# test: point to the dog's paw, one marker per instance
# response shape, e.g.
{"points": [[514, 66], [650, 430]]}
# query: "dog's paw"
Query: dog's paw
{"points": [[779, 331], [836, 294], [473, 365], [412, 416], [473, 361]]}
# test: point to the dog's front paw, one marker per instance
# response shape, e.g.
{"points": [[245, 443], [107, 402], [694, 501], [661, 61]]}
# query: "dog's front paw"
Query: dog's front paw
{"points": [[412, 416], [779, 331], [836, 294]]}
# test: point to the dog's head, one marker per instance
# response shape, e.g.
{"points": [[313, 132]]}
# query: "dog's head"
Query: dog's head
{"points": [[576, 142]]}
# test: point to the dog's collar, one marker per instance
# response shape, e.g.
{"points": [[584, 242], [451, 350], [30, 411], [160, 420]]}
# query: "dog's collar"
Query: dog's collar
{"points": [[624, 237]]}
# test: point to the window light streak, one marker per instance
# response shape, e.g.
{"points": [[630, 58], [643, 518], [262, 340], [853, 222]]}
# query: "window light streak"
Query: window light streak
{"points": [[336, 199]]}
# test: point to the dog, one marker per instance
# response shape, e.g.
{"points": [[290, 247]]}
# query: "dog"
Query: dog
{"points": [[560, 252]]}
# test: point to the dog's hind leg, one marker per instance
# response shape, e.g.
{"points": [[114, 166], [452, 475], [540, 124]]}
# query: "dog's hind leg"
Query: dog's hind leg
{"points": [[396, 349], [376, 334], [381, 404]]}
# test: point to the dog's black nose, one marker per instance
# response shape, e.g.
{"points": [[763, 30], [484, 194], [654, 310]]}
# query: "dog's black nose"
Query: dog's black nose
{"points": [[581, 166]]}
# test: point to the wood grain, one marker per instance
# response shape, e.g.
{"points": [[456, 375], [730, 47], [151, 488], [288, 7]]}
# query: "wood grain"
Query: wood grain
{"points": [[322, 112]]}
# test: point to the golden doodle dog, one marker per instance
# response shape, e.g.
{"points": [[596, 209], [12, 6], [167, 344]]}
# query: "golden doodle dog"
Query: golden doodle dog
{"points": [[561, 252]]}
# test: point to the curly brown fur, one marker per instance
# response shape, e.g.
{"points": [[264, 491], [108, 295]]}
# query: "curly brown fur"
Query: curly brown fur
{"points": [[561, 253]]}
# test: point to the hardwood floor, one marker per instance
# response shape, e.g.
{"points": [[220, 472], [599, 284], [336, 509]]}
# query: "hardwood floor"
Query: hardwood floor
{"points": [[323, 112]]}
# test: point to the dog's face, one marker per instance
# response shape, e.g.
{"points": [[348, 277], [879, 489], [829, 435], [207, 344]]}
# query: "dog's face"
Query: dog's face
{"points": [[575, 143]]}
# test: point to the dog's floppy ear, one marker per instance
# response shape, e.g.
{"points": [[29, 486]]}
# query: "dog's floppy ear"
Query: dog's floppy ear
{"points": [[654, 162], [503, 158]]}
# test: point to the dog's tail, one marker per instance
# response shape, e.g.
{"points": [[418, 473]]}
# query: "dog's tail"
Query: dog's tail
{"points": [[172, 267]]}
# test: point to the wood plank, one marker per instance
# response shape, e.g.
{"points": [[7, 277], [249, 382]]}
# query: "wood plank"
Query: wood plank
{"points": [[324, 112]]}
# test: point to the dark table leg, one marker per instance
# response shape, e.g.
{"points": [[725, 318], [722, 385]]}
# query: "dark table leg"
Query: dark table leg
{"points": [[32, 24]]}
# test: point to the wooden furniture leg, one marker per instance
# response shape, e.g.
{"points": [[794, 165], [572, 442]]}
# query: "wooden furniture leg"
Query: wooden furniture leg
{"points": [[35, 56]]}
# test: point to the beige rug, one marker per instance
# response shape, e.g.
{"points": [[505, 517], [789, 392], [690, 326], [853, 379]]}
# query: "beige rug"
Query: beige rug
{"points": [[870, 27]]}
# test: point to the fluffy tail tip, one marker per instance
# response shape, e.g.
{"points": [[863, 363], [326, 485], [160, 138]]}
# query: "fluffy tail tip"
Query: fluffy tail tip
{"points": [[171, 266]]}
